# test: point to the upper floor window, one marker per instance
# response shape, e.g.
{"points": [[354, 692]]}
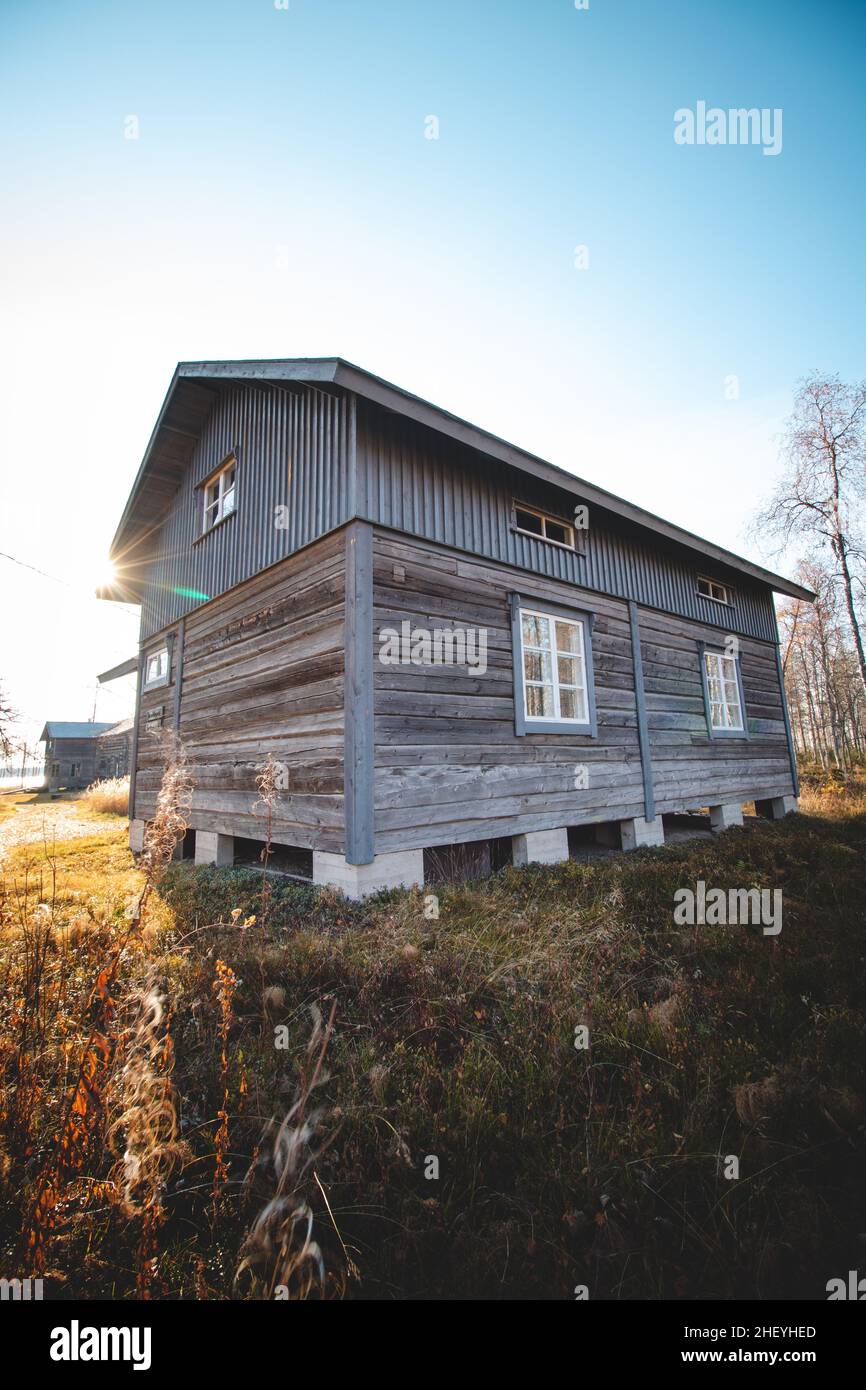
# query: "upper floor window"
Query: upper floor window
{"points": [[723, 693], [553, 686], [544, 526], [711, 588], [156, 667], [219, 495]]}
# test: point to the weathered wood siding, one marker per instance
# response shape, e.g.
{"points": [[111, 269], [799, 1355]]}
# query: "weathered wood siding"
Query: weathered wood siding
{"points": [[67, 751], [112, 754], [449, 766], [263, 670], [689, 767]]}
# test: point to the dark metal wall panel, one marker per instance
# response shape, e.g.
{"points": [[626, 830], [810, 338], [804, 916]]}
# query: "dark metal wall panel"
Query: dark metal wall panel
{"points": [[443, 491], [297, 446], [294, 447]]}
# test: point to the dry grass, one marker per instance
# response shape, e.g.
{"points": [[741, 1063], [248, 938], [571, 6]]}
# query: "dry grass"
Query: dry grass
{"points": [[451, 1039], [833, 795], [108, 797]]}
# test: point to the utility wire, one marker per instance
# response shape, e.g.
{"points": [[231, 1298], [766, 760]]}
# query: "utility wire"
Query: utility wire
{"points": [[55, 579]]}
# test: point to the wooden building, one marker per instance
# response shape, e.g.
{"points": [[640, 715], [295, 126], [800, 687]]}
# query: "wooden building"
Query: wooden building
{"points": [[113, 750], [441, 639], [71, 753]]}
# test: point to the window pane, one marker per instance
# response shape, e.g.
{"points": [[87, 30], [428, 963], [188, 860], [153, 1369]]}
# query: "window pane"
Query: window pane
{"points": [[572, 705], [536, 666], [567, 637], [539, 701], [536, 630], [528, 521], [567, 670], [555, 532], [229, 502]]}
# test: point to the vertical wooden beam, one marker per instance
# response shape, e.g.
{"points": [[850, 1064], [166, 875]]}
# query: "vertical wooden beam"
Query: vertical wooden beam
{"points": [[133, 755], [640, 701], [178, 672], [358, 749], [357, 490]]}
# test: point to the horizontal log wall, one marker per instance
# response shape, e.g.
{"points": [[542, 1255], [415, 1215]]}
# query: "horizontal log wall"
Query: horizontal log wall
{"points": [[448, 764], [263, 671], [689, 768]]}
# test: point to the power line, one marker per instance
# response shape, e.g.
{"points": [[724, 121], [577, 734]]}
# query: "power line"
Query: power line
{"points": [[55, 579]]}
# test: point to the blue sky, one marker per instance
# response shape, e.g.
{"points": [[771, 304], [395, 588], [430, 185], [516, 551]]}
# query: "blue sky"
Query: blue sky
{"points": [[281, 199]]}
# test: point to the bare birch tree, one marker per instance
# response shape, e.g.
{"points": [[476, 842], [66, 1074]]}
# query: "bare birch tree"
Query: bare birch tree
{"points": [[824, 483], [822, 681]]}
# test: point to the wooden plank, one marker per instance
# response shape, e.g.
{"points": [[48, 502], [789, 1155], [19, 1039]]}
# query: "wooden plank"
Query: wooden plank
{"points": [[359, 737], [640, 699], [178, 674]]}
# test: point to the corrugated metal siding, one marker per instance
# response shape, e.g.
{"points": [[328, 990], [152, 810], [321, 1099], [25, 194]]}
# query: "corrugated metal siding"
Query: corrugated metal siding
{"points": [[293, 447], [409, 479], [444, 492]]}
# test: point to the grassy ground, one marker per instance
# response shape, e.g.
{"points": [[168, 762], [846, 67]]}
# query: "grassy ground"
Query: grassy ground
{"points": [[452, 1051]]}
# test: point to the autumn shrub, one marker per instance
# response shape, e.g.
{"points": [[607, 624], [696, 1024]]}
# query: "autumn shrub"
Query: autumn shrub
{"points": [[108, 797]]}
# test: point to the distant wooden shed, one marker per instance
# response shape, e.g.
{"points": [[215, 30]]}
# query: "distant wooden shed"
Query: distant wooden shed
{"points": [[71, 753]]}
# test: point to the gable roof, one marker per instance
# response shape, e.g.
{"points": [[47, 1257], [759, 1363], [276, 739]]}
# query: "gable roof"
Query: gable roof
{"points": [[194, 389], [58, 728]]}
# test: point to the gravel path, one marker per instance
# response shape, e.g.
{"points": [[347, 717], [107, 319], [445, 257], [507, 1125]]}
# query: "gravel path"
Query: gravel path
{"points": [[49, 822]]}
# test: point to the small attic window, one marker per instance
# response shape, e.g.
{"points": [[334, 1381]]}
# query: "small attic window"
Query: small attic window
{"points": [[712, 589], [544, 526], [219, 494]]}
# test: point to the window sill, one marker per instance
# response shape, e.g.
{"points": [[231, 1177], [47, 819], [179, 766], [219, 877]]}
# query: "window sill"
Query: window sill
{"points": [[720, 602], [560, 545], [558, 726], [216, 526]]}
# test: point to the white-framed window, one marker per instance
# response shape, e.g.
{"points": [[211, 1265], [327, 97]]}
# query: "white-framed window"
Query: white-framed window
{"points": [[156, 667], [543, 526], [711, 588], [553, 657], [724, 695], [219, 495]]}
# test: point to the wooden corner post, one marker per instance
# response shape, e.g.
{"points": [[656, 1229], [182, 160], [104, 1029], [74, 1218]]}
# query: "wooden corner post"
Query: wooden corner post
{"points": [[358, 694]]}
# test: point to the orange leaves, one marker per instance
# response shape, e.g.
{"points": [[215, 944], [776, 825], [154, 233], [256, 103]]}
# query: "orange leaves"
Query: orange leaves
{"points": [[224, 986]]}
